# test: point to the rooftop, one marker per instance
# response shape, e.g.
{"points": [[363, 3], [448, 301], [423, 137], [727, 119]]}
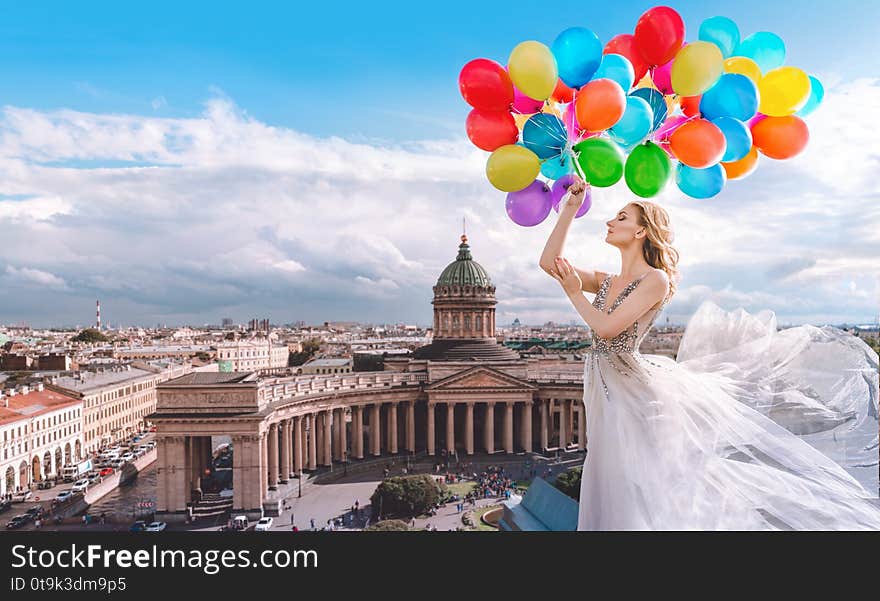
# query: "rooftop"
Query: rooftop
{"points": [[87, 381], [328, 363], [35, 402], [202, 378]]}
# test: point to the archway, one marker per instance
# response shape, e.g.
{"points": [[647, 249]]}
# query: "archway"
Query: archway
{"points": [[67, 457], [58, 461], [36, 474], [10, 478], [78, 450], [23, 475], [47, 464]]}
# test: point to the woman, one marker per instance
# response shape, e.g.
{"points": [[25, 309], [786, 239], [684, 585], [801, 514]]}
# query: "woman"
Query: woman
{"points": [[749, 429]]}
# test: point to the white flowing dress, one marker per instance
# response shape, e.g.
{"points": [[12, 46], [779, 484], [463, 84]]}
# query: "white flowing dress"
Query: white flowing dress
{"points": [[749, 429]]}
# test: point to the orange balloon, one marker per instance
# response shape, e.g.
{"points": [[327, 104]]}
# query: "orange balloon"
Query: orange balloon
{"points": [[698, 143], [599, 104], [743, 167], [562, 93], [690, 105], [781, 137]]}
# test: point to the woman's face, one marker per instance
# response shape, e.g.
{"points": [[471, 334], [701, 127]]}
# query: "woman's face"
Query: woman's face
{"points": [[622, 227]]}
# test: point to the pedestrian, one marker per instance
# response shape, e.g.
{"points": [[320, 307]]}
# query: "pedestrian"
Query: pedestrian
{"points": [[295, 529], [291, 519], [312, 522]]}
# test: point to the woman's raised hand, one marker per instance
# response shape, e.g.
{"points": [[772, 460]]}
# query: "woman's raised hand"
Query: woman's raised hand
{"points": [[576, 193]]}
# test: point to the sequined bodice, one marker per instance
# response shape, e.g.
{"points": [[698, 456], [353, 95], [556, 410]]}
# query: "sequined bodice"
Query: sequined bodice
{"points": [[627, 341]]}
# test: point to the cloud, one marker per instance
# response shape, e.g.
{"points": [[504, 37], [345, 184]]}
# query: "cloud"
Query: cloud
{"points": [[194, 219]]}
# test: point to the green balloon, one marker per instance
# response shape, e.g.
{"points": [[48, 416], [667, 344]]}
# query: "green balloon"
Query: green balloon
{"points": [[601, 161], [647, 169]]}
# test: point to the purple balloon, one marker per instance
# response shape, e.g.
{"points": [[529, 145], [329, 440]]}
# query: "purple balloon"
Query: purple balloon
{"points": [[529, 206], [756, 119], [560, 187], [666, 128]]}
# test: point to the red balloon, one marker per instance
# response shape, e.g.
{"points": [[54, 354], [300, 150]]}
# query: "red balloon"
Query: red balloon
{"points": [[485, 85], [781, 137], [625, 45], [491, 130], [562, 93], [698, 143], [690, 105], [659, 35]]}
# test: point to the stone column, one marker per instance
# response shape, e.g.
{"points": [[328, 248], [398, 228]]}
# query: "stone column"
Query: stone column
{"points": [[313, 453], [582, 427], [375, 441], [544, 408], [431, 435], [508, 427], [337, 450], [319, 436], [273, 457], [298, 444], [285, 451], [411, 426], [469, 428], [238, 473], [357, 427], [264, 464], [527, 426], [343, 436], [450, 426], [563, 423], [193, 459], [489, 428], [247, 473], [328, 438], [392, 427]]}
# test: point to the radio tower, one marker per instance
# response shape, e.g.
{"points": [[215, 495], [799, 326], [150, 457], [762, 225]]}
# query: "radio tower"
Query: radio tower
{"points": [[98, 315]]}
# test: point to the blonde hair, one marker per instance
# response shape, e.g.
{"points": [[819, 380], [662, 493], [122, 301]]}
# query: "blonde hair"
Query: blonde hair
{"points": [[657, 249]]}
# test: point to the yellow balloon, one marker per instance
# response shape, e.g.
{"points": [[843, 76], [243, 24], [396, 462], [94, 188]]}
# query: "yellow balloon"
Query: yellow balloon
{"points": [[784, 91], [512, 167], [532, 68], [521, 119], [696, 68], [744, 66]]}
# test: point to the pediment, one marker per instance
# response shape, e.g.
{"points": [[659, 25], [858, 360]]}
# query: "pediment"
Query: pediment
{"points": [[480, 378]]}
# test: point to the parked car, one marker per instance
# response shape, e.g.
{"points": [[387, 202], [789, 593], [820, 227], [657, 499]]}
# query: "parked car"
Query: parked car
{"points": [[107, 471], [64, 495], [155, 527], [263, 525], [94, 477], [117, 463], [5, 504], [138, 526], [22, 496], [17, 522], [45, 484], [80, 485], [35, 511], [127, 457]]}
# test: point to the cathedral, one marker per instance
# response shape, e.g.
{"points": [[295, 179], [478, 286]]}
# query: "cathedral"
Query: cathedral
{"points": [[464, 393]]}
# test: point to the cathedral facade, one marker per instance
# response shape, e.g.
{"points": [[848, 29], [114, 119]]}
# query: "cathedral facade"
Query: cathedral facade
{"points": [[464, 393]]}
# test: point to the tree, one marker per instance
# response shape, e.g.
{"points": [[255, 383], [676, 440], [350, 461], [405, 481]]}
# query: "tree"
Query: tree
{"points": [[569, 482], [406, 496], [388, 526], [90, 335], [310, 347]]}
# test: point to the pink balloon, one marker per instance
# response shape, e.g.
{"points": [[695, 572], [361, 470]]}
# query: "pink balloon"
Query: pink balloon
{"points": [[525, 105], [667, 127], [756, 119], [662, 77]]}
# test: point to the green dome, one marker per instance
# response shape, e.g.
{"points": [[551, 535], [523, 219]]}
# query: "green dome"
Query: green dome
{"points": [[464, 271]]}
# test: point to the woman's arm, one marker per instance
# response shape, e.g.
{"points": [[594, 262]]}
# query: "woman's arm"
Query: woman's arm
{"points": [[653, 288], [556, 241]]}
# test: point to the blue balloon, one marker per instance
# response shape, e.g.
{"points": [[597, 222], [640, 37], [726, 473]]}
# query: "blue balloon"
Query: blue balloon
{"points": [[734, 95], [738, 136], [545, 135], [722, 32], [817, 93], [617, 68], [635, 124], [657, 102], [578, 53], [765, 48], [700, 183], [557, 166]]}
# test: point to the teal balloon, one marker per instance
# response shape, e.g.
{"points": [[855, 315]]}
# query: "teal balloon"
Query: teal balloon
{"points": [[617, 68], [765, 48], [578, 53], [647, 170], [601, 161], [817, 93], [738, 136], [545, 135], [734, 95], [657, 102], [636, 122], [722, 32], [557, 166], [700, 183]]}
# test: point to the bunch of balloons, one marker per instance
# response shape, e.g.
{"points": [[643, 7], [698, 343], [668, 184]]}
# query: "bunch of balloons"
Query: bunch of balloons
{"points": [[647, 107]]}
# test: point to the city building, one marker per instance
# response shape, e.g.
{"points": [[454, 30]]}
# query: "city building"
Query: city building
{"points": [[327, 366], [116, 400], [251, 355], [461, 394], [40, 433]]}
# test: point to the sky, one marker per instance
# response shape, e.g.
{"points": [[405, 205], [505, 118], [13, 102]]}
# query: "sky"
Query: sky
{"points": [[188, 162]]}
